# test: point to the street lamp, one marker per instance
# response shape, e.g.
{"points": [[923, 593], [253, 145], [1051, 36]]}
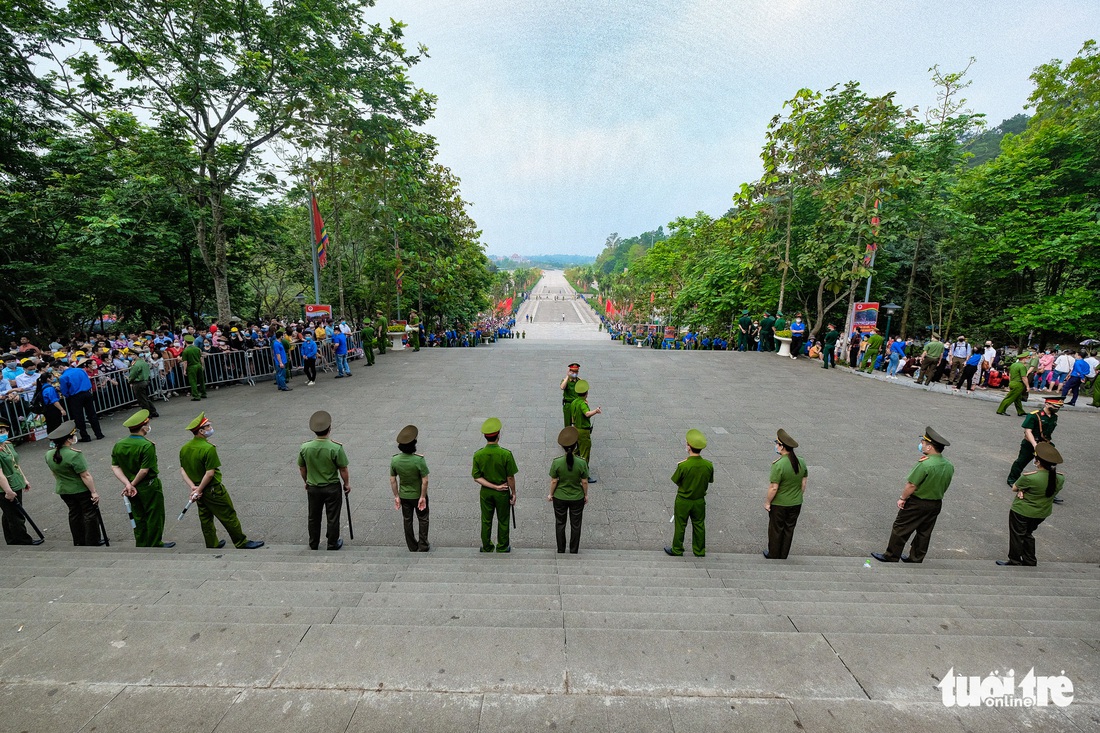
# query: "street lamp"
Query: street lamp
{"points": [[301, 298], [891, 309]]}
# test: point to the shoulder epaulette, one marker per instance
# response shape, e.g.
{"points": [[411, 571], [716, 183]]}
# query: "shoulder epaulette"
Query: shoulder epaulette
{"points": [[1029, 473], [419, 454], [777, 460], [337, 442], [922, 458]]}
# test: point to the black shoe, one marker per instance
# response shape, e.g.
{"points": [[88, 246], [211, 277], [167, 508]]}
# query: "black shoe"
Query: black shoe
{"points": [[38, 541], [905, 558], [221, 544], [101, 436], [155, 414], [339, 376], [254, 544], [166, 545], [507, 548], [881, 557], [766, 555], [100, 543], [85, 439], [591, 479], [1008, 562], [194, 399], [668, 551], [338, 545], [1059, 500], [424, 548]]}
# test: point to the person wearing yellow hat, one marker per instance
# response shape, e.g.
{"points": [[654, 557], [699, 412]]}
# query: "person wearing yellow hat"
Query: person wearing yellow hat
{"points": [[1035, 493], [196, 376], [568, 491], [582, 421], [494, 470], [568, 389], [200, 468], [693, 476], [134, 463], [786, 485], [920, 502], [13, 483], [409, 483], [74, 484], [323, 464]]}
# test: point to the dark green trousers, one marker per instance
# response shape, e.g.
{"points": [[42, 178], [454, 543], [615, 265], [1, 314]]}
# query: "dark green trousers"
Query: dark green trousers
{"points": [[584, 444], [694, 510], [148, 507], [196, 377], [217, 504], [1015, 397], [567, 413], [494, 501], [368, 351], [1026, 456]]}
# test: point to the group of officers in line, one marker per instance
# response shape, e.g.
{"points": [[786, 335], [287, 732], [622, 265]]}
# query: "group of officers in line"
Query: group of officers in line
{"points": [[323, 466]]}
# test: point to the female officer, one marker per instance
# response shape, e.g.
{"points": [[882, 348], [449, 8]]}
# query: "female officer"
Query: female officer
{"points": [[787, 484], [75, 485], [568, 490], [1035, 492], [409, 483], [13, 483]]}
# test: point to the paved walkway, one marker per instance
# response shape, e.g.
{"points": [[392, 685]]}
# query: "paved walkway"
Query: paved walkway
{"points": [[557, 314]]}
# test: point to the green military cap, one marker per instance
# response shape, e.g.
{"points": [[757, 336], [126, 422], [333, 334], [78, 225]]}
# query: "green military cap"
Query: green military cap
{"points": [[1048, 453], [408, 434], [197, 423], [320, 421], [581, 386], [138, 418], [767, 313], [569, 436], [696, 439], [933, 437], [189, 339], [490, 426], [63, 430], [779, 313], [745, 312], [785, 438], [574, 365]]}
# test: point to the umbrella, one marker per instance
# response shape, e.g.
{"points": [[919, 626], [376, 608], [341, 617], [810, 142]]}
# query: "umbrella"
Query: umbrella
{"points": [[1090, 342]]}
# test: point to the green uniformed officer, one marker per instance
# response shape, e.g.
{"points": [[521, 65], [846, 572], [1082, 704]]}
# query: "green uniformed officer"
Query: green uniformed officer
{"points": [[13, 483], [494, 470], [767, 332], [582, 421], [780, 325], [200, 468], [1017, 388], [381, 330], [1038, 428], [569, 392], [134, 463], [323, 465], [1035, 496], [409, 483], [744, 324], [568, 491], [138, 377], [786, 486], [874, 343], [73, 483], [367, 335], [828, 350], [196, 376], [414, 335], [920, 502], [693, 476]]}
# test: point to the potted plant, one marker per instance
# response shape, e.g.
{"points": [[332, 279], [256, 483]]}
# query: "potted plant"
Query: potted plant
{"points": [[784, 339]]}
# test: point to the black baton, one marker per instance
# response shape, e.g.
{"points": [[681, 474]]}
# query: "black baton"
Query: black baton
{"points": [[19, 506], [513, 516], [102, 526], [347, 503]]}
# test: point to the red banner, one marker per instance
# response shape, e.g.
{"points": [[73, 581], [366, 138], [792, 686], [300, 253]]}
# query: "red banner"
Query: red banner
{"points": [[318, 311]]}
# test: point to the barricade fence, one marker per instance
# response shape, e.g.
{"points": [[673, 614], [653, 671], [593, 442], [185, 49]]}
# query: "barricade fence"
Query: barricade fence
{"points": [[111, 389]]}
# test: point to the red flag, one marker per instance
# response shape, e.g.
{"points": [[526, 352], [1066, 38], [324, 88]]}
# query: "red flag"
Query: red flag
{"points": [[320, 234], [651, 296], [873, 244]]}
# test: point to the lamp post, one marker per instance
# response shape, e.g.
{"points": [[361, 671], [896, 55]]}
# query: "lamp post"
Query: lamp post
{"points": [[301, 298], [891, 309]]}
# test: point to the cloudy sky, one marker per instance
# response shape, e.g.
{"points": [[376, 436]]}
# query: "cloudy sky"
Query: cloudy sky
{"points": [[572, 119]]}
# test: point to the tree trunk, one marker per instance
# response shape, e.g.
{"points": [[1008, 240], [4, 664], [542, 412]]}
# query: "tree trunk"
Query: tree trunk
{"points": [[912, 281], [220, 270], [787, 253]]}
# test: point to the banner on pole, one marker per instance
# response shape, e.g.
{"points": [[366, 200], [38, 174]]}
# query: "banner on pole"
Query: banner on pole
{"points": [[318, 311], [865, 318]]}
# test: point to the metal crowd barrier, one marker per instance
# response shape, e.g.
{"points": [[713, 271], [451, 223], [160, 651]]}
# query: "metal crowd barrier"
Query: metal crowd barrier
{"points": [[111, 389]]}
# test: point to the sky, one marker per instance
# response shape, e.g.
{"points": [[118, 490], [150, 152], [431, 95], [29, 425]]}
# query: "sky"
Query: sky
{"points": [[570, 120]]}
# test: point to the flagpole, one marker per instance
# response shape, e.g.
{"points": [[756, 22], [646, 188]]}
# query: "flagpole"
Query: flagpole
{"points": [[316, 266]]}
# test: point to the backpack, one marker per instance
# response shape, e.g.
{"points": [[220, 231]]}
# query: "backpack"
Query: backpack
{"points": [[37, 405]]}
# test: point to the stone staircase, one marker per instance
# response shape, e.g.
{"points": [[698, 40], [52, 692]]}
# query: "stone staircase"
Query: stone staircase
{"points": [[379, 639]]}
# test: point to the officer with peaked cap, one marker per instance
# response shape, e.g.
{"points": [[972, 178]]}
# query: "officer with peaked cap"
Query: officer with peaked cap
{"points": [[323, 464], [1038, 428], [568, 388], [13, 483], [582, 421], [200, 468], [494, 470], [1035, 494], [786, 485], [693, 476], [568, 491], [744, 326], [196, 375], [920, 502], [134, 463], [409, 483], [74, 484]]}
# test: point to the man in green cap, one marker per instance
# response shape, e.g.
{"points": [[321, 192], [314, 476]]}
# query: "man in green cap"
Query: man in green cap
{"points": [[693, 476], [767, 332], [200, 468], [930, 359], [920, 501], [138, 377], [134, 463], [366, 333], [1017, 388], [780, 325], [1038, 428], [495, 470], [582, 421], [568, 388], [196, 377], [874, 343], [381, 331], [743, 326], [323, 465], [828, 350]]}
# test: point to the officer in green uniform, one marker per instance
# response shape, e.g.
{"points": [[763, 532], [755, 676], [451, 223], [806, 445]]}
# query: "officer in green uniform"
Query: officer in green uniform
{"points": [[569, 392], [568, 491], [693, 476], [767, 332], [828, 350], [495, 470], [1035, 497], [874, 343], [134, 463], [1017, 388], [1038, 428], [743, 326], [780, 325], [323, 465], [381, 331], [367, 335], [13, 483], [920, 502], [196, 376], [73, 483], [409, 483], [200, 468], [582, 421], [138, 377], [414, 335], [786, 485]]}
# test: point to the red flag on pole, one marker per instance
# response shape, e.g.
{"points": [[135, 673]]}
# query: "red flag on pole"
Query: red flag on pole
{"points": [[320, 234]]}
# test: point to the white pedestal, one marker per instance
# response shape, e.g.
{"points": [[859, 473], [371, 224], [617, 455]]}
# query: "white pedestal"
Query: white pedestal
{"points": [[395, 340], [784, 346]]}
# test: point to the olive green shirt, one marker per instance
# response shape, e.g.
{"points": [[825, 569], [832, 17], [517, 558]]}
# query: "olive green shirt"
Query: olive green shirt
{"points": [[134, 453], [9, 466], [1017, 373], [580, 420], [1041, 424], [494, 464], [191, 356], [380, 324], [139, 371], [410, 469], [199, 455], [767, 326], [874, 343], [1036, 504], [932, 475], [745, 323], [322, 459], [790, 482], [67, 473], [569, 481], [934, 349], [831, 337], [569, 393], [780, 324], [693, 477]]}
